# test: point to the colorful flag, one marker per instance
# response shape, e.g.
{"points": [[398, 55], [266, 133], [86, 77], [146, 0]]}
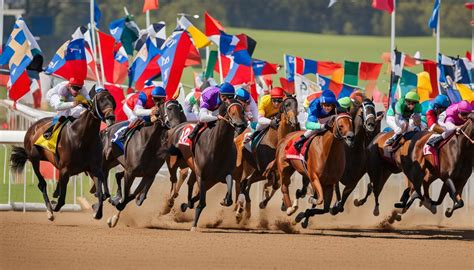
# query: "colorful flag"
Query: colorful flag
{"points": [[91, 65], [21, 53], [211, 63], [305, 66], [236, 47], [200, 40], [289, 86], [397, 63], [114, 59], [433, 22], [261, 67], [97, 13], [386, 5], [70, 59], [150, 5], [424, 86], [212, 27], [155, 31], [289, 67], [353, 71], [304, 87], [126, 31], [175, 51], [144, 66], [408, 82], [431, 68]]}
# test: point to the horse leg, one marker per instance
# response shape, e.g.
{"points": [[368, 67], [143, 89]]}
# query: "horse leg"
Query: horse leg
{"points": [[427, 201], [43, 188], [360, 202], [128, 181], [341, 200], [378, 186], [142, 189], [285, 183], [173, 179], [98, 174], [227, 201], [275, 185], [327, 198], [301, 193], [239, 205], [202, 202], [248, 205], [403, 199], [63, 180], [118, 195], [191, 199], [455, 196]]}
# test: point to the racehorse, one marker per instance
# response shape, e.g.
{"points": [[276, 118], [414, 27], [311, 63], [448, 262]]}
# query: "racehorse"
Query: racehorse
{"points": [[252, 165], [212, 157], [454, 166], [366, 125], [144, 155], [324, 163], [78, 150]]}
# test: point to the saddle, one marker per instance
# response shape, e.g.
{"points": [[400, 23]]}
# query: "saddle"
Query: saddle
{"points": [[257, 138], [389, 150], [51, 143], [291, 153], [123, 134], [434, 151], [183, 137]]}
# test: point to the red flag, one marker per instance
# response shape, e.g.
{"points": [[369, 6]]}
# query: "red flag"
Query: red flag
{"points": [[468, 55], [287, 86], [327, 68], [431, 68], [212, 26], [369, 71], [386, 5], [469, 5], [149, 5], [20, 87], [107, 44], [194, 59], [152, 69], [119, 97], [233, 72]]}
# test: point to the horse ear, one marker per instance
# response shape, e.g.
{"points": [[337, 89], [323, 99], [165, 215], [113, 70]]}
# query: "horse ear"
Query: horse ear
{"points": [[380, 116], [92, 92]]}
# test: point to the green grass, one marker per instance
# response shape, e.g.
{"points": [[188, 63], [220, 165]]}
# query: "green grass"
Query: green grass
{"points": [[272, 45]]}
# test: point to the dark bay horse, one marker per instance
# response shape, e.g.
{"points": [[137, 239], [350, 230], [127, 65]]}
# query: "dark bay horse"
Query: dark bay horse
{"points": [[324, 166], [455, 166], [144, 155], [366, 124], [78, 149], [252, 165], [213, 156]]}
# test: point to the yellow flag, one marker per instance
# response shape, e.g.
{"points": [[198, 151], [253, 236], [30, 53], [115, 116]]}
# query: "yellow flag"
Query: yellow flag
{"points": [[199, 38], [465, 91], [424, 86]]}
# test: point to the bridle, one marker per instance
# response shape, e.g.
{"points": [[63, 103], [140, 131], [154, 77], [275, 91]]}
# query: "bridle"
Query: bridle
{"points": [[229, 119], [285, 112], [101, 115], [169, 104], [366, 116], [338, 133], [461, 130]]}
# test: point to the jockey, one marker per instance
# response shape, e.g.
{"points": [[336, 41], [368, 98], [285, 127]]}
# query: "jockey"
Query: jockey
{"points": [[405, 117], [191, 105], [456, 115], [268, 106], [439, 105], [211, 99], [65, 98], [345, 103], [251, 110], [319, 112], [139, 105]]}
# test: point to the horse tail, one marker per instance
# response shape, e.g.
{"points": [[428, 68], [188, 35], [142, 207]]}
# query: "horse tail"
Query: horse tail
{"points": [[18, 159]]}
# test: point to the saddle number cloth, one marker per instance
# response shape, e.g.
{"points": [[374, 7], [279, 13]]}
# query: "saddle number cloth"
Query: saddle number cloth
{"points": [[183, 138]]}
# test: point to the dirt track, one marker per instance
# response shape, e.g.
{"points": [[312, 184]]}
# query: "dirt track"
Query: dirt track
{"points": [[143, 239]]}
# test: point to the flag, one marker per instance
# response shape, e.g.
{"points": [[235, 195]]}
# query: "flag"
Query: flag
{"points": [[287, 85], [289, 67], [386, 5], [353, 71], [424, 86], [70, 59], [237, 47], [431, 69], [144, 66], [114, 59], [211, 63], [397, 63], [126, 31], [433, 22], [155, 31], [305, 66], [326, 84], [91, 65], [200, 40], [261, 67], [304, 87], [234, 73], [408, 82], [212, 28], [194, 58], [175, 51], [331, 3], [21, 53], [97, 13], [150, 5]]}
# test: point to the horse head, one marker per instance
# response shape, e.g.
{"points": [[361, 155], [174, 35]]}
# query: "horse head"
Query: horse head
{"points": [[173, 113], [103, 105], [341, 125], [289, 109], [233, 112]]}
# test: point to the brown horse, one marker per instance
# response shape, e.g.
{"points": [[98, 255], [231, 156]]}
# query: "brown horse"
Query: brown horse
{"points": [[455, 166], [366, 127], [212, 157], [324, 166], [252, 165], [79, 150]]}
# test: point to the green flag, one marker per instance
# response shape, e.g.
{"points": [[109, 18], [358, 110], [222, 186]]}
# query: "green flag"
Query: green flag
{"points": [[129, 34], [351, 73], [408, 82], [211, 62]]}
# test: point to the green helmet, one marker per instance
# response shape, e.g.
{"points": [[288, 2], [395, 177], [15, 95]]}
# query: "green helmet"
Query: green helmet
{"points": [[345, 102], [412, 96]]}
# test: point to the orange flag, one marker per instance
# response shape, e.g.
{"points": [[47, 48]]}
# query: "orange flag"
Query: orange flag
{"points": [[149, 5]]}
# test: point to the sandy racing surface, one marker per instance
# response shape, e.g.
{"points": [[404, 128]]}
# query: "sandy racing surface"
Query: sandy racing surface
{"points": [[145, 239]]}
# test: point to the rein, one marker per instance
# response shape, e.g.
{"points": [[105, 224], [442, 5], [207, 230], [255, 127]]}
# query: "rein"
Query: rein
{"points": [[461, 130], [230, 121], [95, 109], [366, 117]]}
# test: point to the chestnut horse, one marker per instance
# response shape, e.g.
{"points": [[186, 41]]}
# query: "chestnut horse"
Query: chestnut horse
{"points": [[324, 164], [78, 150]]}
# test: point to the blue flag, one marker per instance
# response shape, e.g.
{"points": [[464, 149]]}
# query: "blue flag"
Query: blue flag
{"points": [[97, 14], [433, 22]]}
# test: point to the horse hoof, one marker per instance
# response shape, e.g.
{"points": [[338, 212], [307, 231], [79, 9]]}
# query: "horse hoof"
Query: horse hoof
{"points": [[97, 215], [299, 193], [262, 205], [227, 202], [112, 221], [171, 203], [376, 212], [183, 207], [448, 213], [50, 215], [305, 223], [283, 207], [357, 203], [238, 217], [399, 205], [290, 211], [241, 199], [398, 217], [193, 229], [334, 211], [299, 217], [433, 210]]}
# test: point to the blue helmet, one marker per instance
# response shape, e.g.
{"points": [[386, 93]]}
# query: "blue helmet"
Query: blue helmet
{"points": [[142, 98], [328, 97], [242, 94], [226, 89], [158, 92], [441, 101]]}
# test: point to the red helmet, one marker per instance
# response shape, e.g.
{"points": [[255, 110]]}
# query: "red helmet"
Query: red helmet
{"points": [[76, 82], [277, 92]]}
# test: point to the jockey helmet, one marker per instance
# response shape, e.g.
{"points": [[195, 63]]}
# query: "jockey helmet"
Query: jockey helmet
{"points": [[226, 89], [277, 92], [73, 81], [242, 94], [441, 101], [345, 102], [328, 97], [464, 107], [158, 92], [412, 96]]}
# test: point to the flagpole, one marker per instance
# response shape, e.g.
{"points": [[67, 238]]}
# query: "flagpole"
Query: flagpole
{"points": [[2, 4], [438, 30], [208, 52], [147, 18], [94, 46], [221, 76], [392, 33], [101, 61], [284, 63]]}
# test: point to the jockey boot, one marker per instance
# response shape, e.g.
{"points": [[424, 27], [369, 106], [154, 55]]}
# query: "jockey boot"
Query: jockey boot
{"points": [[131, 127], [49, 132], [393, 139], [195, 131], [433, 142], [250, 137], [300, 143]]}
